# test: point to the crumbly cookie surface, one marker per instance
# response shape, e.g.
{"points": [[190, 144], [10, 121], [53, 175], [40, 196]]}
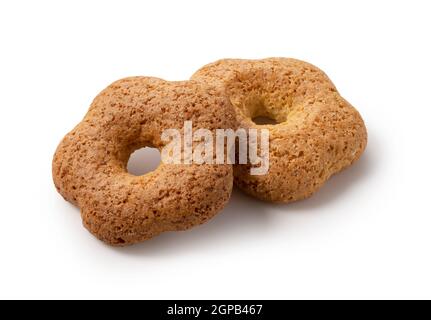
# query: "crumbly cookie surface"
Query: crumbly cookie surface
{"points": [[89, 165], [318, 133]]}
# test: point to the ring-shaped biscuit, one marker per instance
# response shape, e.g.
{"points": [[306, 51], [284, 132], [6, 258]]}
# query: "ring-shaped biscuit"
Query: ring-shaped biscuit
{"points": [[317, 133], [89, 166]]}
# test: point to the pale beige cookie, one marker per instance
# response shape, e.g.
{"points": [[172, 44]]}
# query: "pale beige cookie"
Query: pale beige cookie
{"points": [[89, 166], [317, 133]]}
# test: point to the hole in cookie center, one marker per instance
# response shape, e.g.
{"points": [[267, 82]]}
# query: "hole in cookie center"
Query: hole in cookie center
{"points": [[262, 113], [143, 161], [263, 120]]}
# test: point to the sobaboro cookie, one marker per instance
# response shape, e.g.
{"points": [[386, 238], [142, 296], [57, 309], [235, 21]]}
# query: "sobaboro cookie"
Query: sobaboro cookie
{"points": [[89, 165], [315, 134]]}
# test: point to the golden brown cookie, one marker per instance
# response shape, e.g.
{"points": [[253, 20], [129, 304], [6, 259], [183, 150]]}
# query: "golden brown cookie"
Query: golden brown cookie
{"points": [[89, 166], [317, 133]]}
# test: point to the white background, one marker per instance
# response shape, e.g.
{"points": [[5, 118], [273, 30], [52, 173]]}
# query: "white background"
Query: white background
{"points": [[366, 234]]}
